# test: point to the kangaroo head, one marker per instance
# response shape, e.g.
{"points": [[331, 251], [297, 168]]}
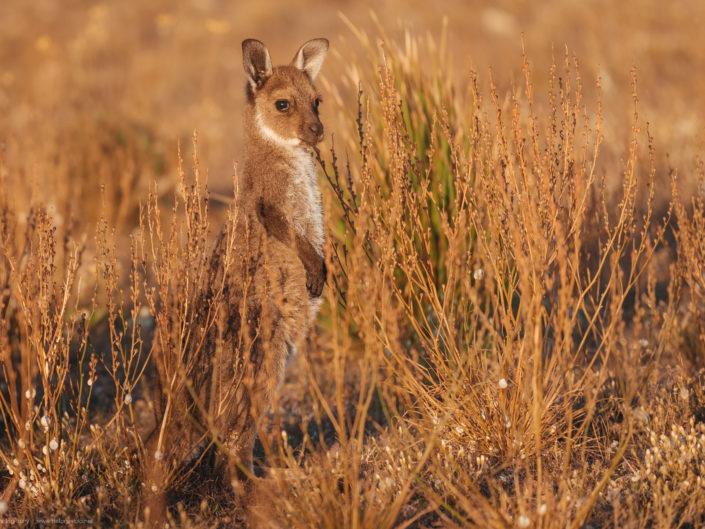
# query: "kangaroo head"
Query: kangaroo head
{"points": [[284, 98]]}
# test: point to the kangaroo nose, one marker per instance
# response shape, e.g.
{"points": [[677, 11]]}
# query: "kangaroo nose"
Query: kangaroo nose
{"points": [[316, 128]]}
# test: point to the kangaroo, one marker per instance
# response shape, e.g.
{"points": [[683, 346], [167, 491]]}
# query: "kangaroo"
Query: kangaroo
{"points": [[277, 273], [281, 128], [279, 188]]}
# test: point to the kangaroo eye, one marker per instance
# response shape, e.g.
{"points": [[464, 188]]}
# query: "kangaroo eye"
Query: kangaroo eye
{"points": [[282, 105]]}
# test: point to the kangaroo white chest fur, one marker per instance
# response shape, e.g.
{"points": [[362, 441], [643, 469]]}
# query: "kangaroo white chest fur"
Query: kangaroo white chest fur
{"points": [[303, 198], [306, 198], [308, 210]]}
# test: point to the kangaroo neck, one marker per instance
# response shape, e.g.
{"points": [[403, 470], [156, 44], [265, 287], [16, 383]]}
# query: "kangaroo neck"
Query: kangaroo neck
{"points": [[267, 152]]}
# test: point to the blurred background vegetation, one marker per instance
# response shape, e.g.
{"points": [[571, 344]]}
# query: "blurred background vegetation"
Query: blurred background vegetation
{"points": [[141, 75]]}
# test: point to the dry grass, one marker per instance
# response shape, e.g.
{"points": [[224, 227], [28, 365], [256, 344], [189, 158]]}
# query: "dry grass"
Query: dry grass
{"points": [[512, 333]]}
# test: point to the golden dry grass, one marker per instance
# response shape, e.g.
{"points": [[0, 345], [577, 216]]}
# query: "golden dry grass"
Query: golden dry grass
{"points": [[512, 333]]}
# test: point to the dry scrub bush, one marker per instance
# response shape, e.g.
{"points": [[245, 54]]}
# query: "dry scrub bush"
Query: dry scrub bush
{"points": [[503, 306], [71, 373], [59, 463], [494, 350], [41, 403], [188, 293], [662, 485], [690, 239]]}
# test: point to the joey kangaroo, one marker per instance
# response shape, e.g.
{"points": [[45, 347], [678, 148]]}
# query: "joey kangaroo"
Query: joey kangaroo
{"points": [[278, 191], [272, 285]]}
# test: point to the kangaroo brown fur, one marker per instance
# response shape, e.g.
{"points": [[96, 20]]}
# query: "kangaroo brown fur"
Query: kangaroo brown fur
{"points": [[273, 282]]}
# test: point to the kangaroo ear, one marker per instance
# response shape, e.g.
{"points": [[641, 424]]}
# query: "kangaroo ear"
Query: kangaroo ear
{"points": [[310, 57], [256, 61]]}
